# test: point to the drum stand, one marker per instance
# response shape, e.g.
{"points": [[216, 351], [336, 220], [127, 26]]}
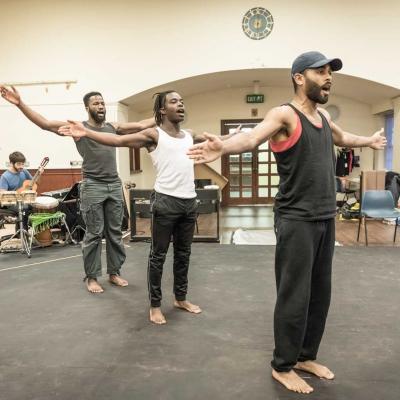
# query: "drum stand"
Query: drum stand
{"points": [[25, 237], [68, 234], [78, 228]]}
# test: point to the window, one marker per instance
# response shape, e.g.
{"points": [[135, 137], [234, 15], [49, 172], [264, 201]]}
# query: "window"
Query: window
{"points": [[389, 123]]}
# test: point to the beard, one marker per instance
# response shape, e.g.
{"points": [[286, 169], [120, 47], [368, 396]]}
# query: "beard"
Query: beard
{"points": [[17, 169], [97, 118], [313, 92]]}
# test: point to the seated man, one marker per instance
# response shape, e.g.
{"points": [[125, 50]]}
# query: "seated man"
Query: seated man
{"points": [[13, 179]]}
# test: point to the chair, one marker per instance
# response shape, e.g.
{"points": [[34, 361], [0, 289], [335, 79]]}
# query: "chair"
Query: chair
{"points": [[377, 204]]}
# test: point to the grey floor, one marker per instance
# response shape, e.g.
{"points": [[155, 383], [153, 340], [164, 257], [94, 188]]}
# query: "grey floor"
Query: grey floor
{"points": [[244, 217], [59, 342]]}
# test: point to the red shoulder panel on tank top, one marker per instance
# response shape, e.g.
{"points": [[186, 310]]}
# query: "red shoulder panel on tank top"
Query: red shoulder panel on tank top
{"points": [[284, 145]]}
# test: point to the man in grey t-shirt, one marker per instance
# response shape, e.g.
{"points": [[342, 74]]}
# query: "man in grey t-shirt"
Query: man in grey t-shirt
{"points": [[101, 188]]}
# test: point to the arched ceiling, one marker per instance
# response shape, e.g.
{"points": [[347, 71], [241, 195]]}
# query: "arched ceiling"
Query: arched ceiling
{"points": [[352, 87]]}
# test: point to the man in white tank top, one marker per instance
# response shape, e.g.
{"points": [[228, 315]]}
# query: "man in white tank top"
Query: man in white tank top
{"points": [[173, 201]]}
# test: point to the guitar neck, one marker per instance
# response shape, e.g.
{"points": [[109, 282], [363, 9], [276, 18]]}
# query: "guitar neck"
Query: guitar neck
{"points": [[38, 172], [34, 179]]}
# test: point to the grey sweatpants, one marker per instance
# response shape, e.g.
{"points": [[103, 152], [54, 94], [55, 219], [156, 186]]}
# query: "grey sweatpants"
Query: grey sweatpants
{"points": [[102, 207]]}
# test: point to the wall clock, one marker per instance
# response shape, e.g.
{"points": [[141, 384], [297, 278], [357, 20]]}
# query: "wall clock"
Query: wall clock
{"points": [[257, 23]]}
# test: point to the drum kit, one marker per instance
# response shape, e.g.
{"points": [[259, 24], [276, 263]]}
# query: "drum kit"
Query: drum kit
{"points": [[45, 216]]}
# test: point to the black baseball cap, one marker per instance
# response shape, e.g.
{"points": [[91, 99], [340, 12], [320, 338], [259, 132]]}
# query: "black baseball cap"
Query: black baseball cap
{"points": [[314, 59]]}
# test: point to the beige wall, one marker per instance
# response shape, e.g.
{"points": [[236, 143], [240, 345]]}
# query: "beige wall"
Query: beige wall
{"points": [[124, 47], [18, 133], [205, 112]]}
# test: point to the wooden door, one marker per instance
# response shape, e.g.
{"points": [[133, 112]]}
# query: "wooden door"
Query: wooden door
{"points": [[253, 176]]}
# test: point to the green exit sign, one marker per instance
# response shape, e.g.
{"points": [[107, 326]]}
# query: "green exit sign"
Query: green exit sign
{"points": [[255, 98]]}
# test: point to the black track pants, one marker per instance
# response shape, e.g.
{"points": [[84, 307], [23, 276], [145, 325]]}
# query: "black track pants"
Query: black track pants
{"points": [[303, 268], [171, 217]]}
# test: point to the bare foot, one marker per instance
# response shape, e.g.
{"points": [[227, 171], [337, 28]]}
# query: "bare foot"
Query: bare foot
{"points": [[314, 368], [185, 305], [292, 381], [93, 286], [117, 280], [156, 316]]}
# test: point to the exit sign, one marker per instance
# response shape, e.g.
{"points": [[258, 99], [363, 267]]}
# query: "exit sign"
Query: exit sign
{"points": [[255, 98]]}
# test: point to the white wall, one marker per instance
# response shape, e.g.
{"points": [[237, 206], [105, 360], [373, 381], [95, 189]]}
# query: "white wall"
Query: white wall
{"points": [[18, 133], [124, 47], [122, 115]]}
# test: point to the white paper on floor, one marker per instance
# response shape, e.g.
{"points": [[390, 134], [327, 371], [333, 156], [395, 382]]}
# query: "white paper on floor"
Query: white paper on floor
{"points": [[254, 236], [257, 236]]}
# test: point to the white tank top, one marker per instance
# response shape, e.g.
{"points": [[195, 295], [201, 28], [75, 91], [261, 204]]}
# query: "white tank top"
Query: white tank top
{"points": [[175, 170]]}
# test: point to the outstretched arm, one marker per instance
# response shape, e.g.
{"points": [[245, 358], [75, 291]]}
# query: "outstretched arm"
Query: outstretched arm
{"points": [[126, 128], [342, 138], [77, 130], [13, 97], [346, 139], [200, 137], [277, 119]]}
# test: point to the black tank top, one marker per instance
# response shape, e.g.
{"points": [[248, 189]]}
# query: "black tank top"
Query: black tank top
{"points": [[307, 174]]}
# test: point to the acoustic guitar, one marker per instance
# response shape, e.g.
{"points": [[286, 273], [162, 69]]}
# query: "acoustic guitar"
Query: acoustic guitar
{"points": [[30, 184]]}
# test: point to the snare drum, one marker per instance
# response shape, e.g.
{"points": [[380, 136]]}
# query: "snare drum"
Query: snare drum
{"points": [[45, 204]]}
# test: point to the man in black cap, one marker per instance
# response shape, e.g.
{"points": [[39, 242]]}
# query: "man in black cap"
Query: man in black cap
{"points": [[302, 137]]}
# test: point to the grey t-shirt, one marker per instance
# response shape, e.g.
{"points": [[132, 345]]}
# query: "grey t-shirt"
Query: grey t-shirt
{"points": [[99, 160]]}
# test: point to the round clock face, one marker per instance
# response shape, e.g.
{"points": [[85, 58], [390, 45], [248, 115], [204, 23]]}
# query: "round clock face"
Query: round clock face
{"points": [[257, 23]]}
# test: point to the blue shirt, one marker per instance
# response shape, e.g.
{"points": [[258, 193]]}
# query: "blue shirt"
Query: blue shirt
{"points": [[13, 181]]}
